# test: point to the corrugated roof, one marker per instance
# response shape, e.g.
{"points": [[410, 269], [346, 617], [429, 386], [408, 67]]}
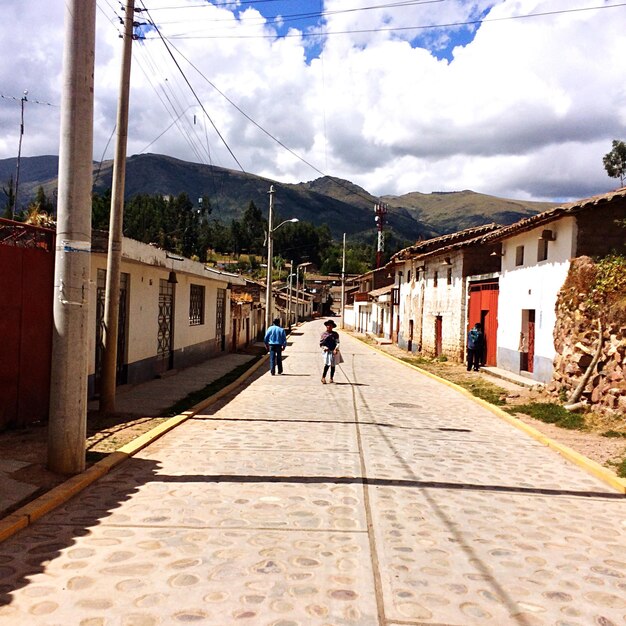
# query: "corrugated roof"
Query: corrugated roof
{"points": [[445, 241], [553, 214], [381, 292]]}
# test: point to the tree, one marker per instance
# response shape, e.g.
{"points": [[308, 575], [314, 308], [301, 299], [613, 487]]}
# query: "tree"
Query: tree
{"points": [[615, 161], [9, 193], [39, 212]]}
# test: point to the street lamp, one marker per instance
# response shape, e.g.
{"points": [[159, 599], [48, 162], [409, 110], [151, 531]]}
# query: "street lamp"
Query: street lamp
{"points": [[270, 233], [305, 265]]}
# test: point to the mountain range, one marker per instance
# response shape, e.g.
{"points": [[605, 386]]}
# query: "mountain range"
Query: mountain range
{"points": [[344, 206]]}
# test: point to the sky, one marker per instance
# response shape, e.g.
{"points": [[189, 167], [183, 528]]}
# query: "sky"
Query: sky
{"points": [[515, 98]]}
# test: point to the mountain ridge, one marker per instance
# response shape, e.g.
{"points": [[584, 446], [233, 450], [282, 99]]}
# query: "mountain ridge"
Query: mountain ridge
{"points": [[343, 205]]}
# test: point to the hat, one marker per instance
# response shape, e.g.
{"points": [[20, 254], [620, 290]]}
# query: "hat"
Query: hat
{"points": [[330, 323]]}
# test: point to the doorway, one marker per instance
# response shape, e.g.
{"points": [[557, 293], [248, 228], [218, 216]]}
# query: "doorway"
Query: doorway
{"points": [[483, 308], [165, 334], [438, 335], [527, 341], [121, 368]]}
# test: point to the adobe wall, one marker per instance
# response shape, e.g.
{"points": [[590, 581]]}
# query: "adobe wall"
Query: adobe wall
{"points": [[576, 339]]}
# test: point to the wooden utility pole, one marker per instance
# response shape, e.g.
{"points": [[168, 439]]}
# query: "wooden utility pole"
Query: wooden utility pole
{"points": [[71, 331], [19, 156], [343, 281], [268, 284], [114, 258]]}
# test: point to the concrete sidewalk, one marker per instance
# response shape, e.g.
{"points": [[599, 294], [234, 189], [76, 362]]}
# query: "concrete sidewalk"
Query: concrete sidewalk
{"points": [[387, 498], [151, 398]]}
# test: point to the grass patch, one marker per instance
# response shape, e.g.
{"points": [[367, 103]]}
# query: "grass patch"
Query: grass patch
{"points": [[476, 386], [620, 469], [201, 394], [551, 414], [485, 391], [416, 360], [614, 434]]}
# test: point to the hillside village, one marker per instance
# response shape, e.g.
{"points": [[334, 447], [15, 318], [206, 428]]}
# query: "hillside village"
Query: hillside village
{"points": [[176, 312]]}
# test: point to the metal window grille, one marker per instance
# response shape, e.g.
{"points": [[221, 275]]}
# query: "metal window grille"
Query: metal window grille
{"points": [[196, 305]]}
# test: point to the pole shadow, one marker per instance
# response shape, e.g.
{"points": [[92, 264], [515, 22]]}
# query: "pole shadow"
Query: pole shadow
{"points": [[28, 552]]}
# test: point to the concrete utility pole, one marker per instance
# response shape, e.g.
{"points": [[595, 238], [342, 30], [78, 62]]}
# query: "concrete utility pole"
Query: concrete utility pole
{"points": [[19, 156], [71, 332], [343, 281], [268, 285], [290, 279], [114, 258]]}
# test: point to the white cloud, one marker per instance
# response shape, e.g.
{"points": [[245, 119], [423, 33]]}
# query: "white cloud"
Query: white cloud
{"points": [[526, 109]]}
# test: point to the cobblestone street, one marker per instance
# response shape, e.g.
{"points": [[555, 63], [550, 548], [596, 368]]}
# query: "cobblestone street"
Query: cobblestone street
{"points": [[387, 498]]}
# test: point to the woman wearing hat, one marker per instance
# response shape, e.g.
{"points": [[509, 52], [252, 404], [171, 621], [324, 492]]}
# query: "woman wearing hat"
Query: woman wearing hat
{"points": [[329, 342]]}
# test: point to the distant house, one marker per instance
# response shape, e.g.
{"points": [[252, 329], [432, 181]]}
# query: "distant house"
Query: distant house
{"points": [[369, 310], [536, 255], [434, 278], [247, 313]]}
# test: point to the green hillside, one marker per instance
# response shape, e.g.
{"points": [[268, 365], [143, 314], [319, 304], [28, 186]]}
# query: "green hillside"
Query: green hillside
{"points": [[344, 206]]}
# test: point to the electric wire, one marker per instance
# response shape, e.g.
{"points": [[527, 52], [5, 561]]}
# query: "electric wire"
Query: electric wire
{"points": [[290, 17], [266, 132], [169, 100], [303, 34], [167, 46]]}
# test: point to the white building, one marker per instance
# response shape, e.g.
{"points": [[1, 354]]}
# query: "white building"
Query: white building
{"points": [[433, 278], [174, 312], [536, 256]]}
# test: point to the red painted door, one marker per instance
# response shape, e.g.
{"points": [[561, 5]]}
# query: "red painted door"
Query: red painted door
{"points": [[483, 308]]}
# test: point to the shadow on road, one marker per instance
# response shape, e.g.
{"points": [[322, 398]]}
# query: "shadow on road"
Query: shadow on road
{"points": [[28, 553]]}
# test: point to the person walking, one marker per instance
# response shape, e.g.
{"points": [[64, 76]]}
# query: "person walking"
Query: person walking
{"points": [[475, 347], [329, 342], [275, 341]]}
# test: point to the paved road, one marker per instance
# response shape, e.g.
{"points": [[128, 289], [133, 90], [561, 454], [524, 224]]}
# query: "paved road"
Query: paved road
{"points": [[258, 513]]}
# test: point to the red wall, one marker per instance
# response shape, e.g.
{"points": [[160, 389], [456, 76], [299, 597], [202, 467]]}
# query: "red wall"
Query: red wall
{"points": [[26, 288]]}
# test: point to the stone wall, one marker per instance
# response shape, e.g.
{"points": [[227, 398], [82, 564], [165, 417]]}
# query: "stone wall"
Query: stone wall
{"points": [[579, 307]]}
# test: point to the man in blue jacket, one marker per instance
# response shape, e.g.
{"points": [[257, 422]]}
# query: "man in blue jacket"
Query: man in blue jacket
{"points": [[275, 342], [475, 347]]}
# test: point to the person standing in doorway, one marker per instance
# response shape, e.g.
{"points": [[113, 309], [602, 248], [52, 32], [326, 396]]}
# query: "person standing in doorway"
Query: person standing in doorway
{"points": [[329, 342], [475, 347], [275, 341]]}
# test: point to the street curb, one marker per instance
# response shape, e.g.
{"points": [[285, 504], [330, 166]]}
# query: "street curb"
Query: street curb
{"points": [[591, 467], [60, 494]]}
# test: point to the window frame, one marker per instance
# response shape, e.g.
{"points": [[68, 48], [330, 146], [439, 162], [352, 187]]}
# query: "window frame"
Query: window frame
{"points": [[197, 306]]}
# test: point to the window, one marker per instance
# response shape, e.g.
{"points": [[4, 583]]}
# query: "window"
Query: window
{"points": [[519, 255], [408, 276], [196, 305], [449, 276], [435, 278], [542, 250]]}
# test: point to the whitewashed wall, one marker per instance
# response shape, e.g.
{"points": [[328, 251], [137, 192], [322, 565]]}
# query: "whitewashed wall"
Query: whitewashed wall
{"points": [[147, 265], [533, 285], [445, 300]]}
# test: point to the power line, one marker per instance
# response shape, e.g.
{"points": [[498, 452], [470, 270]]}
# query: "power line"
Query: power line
{"points": [[48, 104], [266, 132], [406, 28], [290, 17], [193, 90]]}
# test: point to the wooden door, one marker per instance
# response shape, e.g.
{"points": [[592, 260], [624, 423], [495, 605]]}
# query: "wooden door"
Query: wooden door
{"points": [[438, 335], [483, 308]]}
